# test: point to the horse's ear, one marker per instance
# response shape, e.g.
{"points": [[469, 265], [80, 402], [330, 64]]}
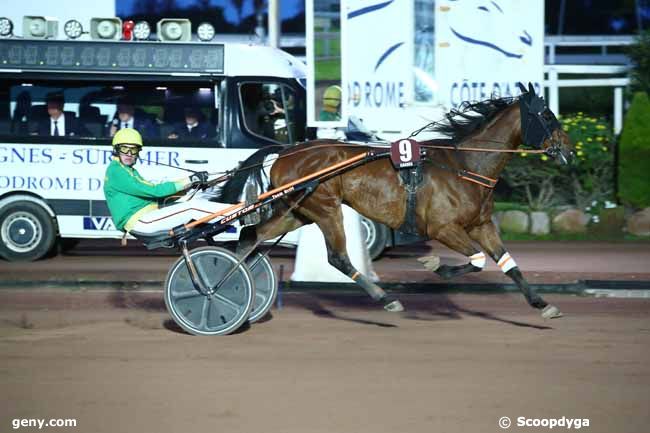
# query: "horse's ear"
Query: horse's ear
{"points": [[522, 87], [531, 89]]}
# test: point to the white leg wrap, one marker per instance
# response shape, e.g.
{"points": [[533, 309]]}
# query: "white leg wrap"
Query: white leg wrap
{"points": [[478, 260], [506, 262]]}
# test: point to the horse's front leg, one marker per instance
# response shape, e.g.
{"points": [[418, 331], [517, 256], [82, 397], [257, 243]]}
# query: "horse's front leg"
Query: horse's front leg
{"points": [[488, 237], [456, 238]]}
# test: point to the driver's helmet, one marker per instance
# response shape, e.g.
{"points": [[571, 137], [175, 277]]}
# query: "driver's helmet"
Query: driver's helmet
{"points": [[127, 136], [332, 96]]}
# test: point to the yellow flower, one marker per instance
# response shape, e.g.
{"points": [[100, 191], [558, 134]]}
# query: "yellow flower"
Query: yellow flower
{"points": [[579, 143], [599, 138], [579, 113], [583, 127], [589, 140], [580, 153], [544, 158], [524, 154], [600, 126], [604, 149]]}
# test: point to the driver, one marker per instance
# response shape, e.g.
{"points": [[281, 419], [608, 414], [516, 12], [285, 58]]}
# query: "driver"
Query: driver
{"points": [[128, 195]]}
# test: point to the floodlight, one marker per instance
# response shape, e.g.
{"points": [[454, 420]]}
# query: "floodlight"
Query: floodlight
{"points": [[171, 29], [205, 32], [106, 28], [38, 27], [6, 27], [141, 31], [73, 29]]}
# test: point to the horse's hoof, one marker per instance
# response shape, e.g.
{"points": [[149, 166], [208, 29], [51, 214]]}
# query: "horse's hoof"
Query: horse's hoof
{"points": [[430, 262], [551, 312], [445, 272], [394, 306]]}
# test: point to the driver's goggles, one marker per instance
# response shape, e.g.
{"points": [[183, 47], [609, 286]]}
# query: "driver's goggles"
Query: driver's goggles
{"points": [[128, 150]]}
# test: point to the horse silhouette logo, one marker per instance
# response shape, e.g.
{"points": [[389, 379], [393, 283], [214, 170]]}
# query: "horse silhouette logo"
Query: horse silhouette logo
{"points": [[490, 24]]}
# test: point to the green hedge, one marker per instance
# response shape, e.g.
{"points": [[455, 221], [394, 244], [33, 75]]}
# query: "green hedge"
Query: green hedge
{"points": [[634, 154]]}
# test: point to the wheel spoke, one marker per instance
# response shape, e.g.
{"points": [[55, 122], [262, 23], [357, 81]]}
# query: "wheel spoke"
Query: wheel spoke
{"points": [[179, 296], [204, 313], [228, 302]]}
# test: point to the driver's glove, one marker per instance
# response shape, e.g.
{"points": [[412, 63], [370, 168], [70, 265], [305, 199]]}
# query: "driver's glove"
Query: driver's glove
{"points": [[199, 177]]}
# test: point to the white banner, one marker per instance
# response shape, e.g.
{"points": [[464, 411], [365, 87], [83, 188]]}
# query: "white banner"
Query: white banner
{"points": [[483, 48], [380, 52]]}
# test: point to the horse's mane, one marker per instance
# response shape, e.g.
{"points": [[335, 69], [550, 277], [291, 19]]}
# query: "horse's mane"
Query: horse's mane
{"points": [[470, 117]]}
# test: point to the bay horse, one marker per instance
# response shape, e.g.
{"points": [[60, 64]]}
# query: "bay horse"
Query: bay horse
{"points": [[448, 208]]}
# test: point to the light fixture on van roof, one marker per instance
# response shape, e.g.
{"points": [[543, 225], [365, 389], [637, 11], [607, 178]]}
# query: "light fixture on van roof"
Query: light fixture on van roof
{"points": [[106, 28], [161, 88], [141, 31], [38, 27], [174, 29], [205, 32], [73, 29], [6, 27]]}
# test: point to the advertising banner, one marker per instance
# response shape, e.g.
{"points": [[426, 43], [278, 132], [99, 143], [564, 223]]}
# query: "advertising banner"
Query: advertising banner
{"points": [[483, 48]]}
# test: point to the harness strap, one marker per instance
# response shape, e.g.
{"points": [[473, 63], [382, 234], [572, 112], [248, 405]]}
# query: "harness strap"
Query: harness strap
{"points": [[467, 175], [412, 179]]}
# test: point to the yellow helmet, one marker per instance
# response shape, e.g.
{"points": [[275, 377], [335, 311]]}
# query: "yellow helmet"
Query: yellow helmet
{"points": [[332, 96], [127, 136]]}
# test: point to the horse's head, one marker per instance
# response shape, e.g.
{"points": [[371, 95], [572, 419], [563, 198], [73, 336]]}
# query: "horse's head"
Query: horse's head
{"points": [[540, 128]]}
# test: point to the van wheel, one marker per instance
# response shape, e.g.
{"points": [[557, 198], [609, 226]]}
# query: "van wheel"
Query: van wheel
{"points": [[26, 230], [375, 235]]}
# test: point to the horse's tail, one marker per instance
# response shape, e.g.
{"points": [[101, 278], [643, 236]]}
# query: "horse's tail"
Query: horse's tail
{"points": [[250, 168]]}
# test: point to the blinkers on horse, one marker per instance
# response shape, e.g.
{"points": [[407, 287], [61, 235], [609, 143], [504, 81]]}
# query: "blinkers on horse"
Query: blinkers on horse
{"points": [[538, 123]]}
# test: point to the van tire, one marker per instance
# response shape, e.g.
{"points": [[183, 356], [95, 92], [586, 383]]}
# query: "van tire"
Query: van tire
{"points": [[375, 235], [27, 231]]}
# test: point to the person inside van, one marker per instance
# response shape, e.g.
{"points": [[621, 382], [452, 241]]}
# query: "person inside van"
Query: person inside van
{"points": [[128, 195], [194, 127], [128, 117], [57, 123]]}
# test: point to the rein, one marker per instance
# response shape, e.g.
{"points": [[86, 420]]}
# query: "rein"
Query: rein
{"points": [[227, 174], [461, 173], [481, 149]]}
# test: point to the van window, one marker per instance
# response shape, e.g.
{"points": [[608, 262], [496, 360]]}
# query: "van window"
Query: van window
{"points": [[269, 110], [170, 113]]}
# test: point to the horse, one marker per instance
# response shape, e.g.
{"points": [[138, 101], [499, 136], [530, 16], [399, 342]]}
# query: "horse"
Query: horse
{"points": [[449, 208]]}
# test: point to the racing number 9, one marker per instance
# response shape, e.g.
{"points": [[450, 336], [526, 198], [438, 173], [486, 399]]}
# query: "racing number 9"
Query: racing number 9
{"points": [[405, 151]]}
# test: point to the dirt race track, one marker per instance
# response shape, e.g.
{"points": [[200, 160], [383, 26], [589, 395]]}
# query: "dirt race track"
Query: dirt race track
{"points": [[325, 364]]}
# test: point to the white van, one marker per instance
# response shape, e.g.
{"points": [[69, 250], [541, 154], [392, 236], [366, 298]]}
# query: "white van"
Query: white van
{"points": [[51, 185]]}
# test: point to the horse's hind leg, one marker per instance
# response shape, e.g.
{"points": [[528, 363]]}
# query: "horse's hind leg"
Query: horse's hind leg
{"points": [[488, 237], [456, 238], [274, 227], [332, 227]]}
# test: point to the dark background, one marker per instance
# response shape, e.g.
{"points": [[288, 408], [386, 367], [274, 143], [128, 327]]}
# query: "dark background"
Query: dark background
{"points": [[238, 16]]}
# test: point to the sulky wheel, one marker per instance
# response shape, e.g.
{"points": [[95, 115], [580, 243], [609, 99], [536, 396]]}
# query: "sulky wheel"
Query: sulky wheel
{"points": [[266, 285], [219, 313]]}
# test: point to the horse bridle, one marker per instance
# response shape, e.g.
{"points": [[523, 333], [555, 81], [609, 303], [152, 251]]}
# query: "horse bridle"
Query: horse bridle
{"points": [[538, 123]]}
